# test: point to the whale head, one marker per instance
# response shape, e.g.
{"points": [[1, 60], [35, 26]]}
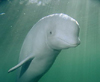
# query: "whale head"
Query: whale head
{"points": [[62, 32]]}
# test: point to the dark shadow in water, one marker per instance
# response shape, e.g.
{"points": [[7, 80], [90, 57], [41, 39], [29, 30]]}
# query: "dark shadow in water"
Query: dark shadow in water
{"points": [[1, 1], [96, 0]]}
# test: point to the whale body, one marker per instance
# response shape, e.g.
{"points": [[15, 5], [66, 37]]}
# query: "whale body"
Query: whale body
{"points": [[43, 43]]}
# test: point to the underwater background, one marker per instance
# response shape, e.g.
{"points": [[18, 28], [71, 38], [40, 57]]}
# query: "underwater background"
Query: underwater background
{"points": [[80, 64]]}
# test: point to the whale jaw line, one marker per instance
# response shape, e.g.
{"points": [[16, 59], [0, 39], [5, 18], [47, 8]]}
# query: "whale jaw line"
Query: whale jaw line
{"points": [[69, 44]]}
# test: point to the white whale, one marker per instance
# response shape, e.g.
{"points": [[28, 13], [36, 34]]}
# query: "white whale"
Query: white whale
{"points": [[43, 43]]}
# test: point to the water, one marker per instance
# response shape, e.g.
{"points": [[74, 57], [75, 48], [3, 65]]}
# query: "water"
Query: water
{"points": [[80, 64]]}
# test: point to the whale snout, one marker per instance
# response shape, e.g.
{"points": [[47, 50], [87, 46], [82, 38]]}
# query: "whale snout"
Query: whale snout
{"points": [[76, 43], [67, 43]]}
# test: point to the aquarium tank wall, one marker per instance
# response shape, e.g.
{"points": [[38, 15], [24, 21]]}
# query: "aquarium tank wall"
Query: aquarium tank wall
{"points": [[80, 64]]}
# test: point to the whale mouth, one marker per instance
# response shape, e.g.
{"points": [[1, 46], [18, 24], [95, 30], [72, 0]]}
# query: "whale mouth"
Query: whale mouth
{"points": [[67, 43]]}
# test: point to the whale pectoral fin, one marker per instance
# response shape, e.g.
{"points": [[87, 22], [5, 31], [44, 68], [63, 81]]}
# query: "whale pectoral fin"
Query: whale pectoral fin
{"points": [[21, 63]]}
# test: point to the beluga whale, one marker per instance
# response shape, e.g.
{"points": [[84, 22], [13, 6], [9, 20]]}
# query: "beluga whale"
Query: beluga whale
{"points": [[43, 43]]}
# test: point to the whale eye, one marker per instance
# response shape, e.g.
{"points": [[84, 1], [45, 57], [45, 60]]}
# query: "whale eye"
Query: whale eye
{"points": [[50, 32]]}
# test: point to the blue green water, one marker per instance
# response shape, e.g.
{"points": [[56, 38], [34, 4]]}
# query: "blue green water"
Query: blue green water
{"points": [[80, 64]]}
